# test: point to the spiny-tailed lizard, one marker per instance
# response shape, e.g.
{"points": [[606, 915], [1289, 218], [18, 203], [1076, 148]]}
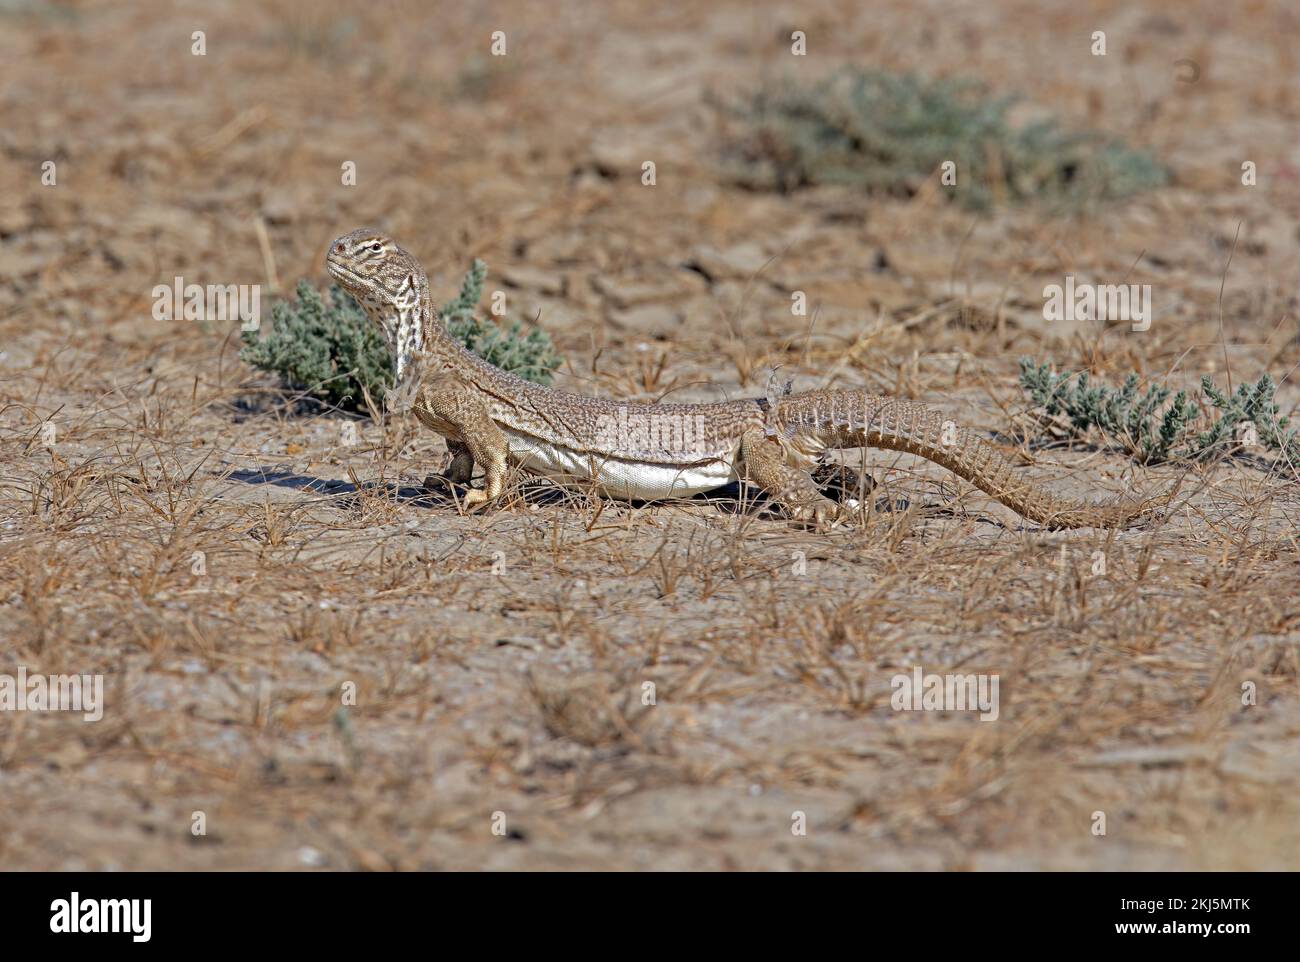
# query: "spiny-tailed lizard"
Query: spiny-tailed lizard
{"points": [[649, 452]]}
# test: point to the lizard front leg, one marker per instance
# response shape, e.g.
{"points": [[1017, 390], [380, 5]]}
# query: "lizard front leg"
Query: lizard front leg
{"points": [[477, 440], [763, 462]]}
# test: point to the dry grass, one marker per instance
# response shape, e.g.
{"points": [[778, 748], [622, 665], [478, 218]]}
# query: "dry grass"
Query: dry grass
{"points": [[500, 660]]}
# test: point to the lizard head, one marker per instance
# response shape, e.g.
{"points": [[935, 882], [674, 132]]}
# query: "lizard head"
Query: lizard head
{"points": [[390, 286]]}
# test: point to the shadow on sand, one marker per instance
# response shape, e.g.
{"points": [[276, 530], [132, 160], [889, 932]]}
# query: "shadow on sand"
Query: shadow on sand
{"points": [[734, 498]]}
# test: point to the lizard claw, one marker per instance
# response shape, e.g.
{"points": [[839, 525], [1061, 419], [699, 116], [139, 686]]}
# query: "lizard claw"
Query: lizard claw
{"points": [[826, 519], [819, 517], [473, 499]]}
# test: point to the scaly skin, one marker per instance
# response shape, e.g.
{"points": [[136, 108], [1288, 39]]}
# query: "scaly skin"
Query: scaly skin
{"points": [[493, 419]]}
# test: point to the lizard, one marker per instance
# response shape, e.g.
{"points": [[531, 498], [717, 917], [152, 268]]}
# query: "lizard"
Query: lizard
{"points": [[644, 451]]}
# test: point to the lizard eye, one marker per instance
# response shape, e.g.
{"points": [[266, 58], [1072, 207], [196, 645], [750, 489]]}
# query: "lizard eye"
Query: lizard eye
{"points": [[377, 247]]}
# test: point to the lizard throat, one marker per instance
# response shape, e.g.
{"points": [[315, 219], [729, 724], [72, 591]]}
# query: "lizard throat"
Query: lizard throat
{"points": [[407, 341]]}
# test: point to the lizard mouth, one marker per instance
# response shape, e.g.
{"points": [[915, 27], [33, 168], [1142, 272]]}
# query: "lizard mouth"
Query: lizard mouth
{"points": [[349, 278]]}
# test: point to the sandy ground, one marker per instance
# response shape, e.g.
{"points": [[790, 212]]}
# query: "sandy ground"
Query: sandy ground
{"points": [[322, 666]]}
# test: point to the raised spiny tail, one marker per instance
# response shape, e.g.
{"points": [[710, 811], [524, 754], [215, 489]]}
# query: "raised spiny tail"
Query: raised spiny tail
{"points": [[851, 419]]}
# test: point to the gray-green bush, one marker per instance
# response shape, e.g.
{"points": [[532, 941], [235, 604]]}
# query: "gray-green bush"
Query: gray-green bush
{"points": [[329, 349], [1154, 427], [887, 133]]}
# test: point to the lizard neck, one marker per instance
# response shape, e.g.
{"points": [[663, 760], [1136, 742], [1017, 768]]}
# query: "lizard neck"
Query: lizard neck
{"points": [[412, 328], [434, 336], [401, 318]]}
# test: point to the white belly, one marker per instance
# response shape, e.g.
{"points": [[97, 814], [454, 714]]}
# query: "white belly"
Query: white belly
{"points": [[615, 477]]}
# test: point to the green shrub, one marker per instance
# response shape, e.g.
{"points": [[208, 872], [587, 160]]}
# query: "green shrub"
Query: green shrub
{"points": [[532, 356], [888, 133], [1155, 428], [330, 349]]}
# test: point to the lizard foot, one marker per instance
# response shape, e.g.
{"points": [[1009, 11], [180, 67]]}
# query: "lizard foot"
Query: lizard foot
{"points": [[442, 482], [473, 499], [823, 516]]}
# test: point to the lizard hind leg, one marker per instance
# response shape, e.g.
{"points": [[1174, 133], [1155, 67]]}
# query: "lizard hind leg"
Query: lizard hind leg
{"points": [[764, 463]]}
